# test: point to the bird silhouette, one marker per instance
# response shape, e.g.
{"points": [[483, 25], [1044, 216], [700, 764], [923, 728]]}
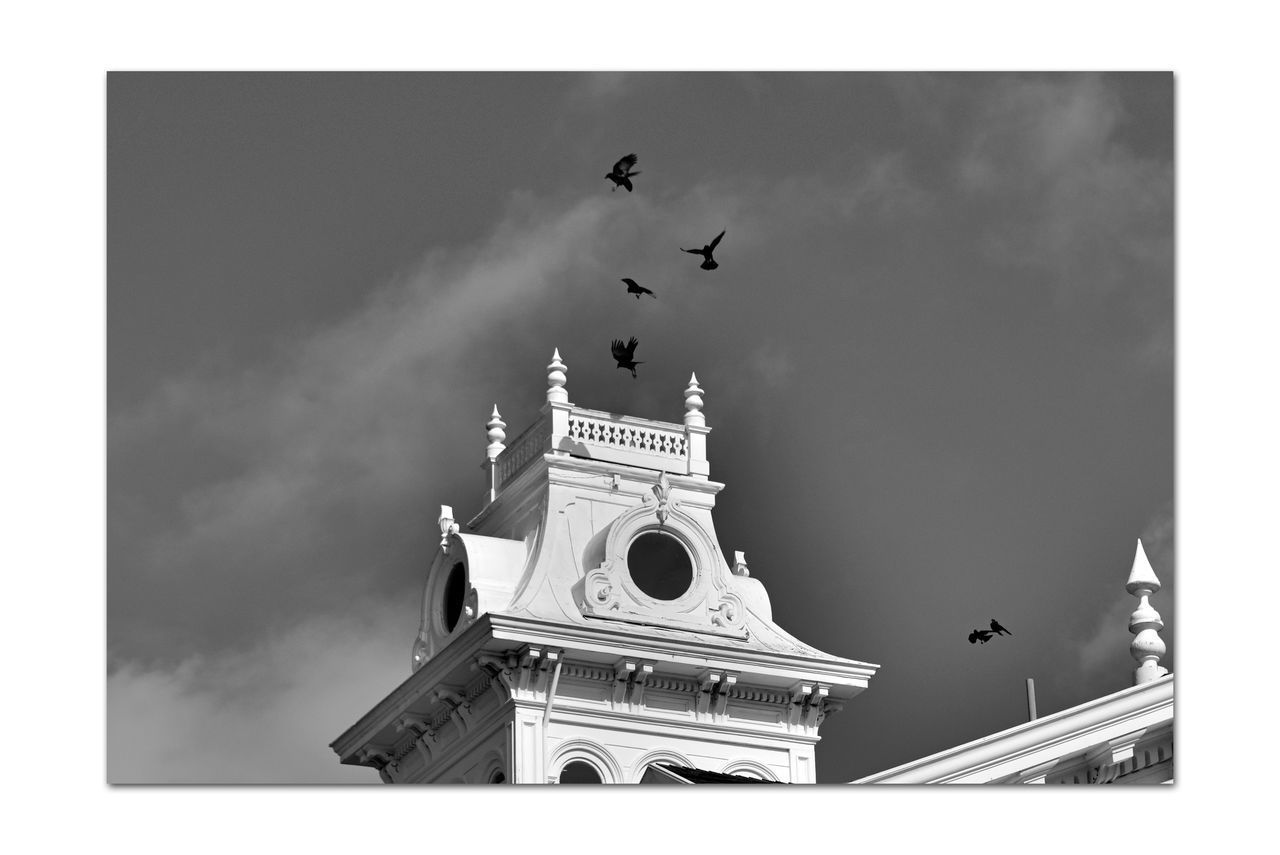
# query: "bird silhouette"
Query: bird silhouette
{"points": [[621, 173], [633, 288], [998, 629], [979, 635], [708, 263], [625, 354]]}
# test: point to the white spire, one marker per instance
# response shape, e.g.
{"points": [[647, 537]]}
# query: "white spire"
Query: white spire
{"points": [[693, 403], [496, 434], [556, 379], [1147, 647]]}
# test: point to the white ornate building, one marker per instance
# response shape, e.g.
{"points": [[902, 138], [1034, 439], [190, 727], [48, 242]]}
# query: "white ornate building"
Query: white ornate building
{"points": [[585, 627], [1121, 738]]}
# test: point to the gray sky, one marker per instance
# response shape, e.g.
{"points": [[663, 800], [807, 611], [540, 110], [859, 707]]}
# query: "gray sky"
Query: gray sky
{"points": [[937, 355]]}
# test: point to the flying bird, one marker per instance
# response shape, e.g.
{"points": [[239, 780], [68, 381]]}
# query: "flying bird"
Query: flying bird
{"points": [[633, 288], [998, 629], [979, 635], [621, 173], [708, 263], [625, 354]]}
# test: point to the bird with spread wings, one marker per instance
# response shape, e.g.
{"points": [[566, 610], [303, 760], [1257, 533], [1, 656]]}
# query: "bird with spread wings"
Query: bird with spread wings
{"points": [[637, 289], [625, 354], [621, 173], [708, 263]]}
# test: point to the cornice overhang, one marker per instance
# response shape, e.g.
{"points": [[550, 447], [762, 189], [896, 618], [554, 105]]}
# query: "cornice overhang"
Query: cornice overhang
{"points": [[499, 633], [1063, 734], [608, 640], [451, 666]]}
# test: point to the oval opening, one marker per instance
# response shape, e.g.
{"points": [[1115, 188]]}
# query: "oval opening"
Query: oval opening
{"points": [[455, 591], [579, 772], [660, 566]]}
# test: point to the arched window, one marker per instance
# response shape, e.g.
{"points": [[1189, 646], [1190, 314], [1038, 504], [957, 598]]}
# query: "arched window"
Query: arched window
{"points": [[580, 772]]}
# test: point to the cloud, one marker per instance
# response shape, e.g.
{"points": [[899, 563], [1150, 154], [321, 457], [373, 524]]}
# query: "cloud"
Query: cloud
{"points": [[1068, 197], [263, 715], [326, 439], [245, 498]]}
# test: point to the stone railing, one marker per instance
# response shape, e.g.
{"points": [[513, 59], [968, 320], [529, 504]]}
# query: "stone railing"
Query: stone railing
{"points": [[529, 445], [604, 430]]}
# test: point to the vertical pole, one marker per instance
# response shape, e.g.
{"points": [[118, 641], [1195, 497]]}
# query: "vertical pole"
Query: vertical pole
{"points": [[1031, 699]]}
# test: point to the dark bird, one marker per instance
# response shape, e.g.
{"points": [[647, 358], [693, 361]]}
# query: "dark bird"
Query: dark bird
{"points": [[625, 354], [998, 629], [621, 174], [633, 288], [708, 263], [979, 635]]}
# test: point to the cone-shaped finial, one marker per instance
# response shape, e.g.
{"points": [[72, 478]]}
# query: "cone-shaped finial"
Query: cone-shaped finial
{"points": [[496, 434], [693, 403], [556, 379], [1141, 576], [1147, 647]]}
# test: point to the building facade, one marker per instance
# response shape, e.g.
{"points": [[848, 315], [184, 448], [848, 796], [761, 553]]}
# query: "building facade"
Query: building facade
{"points": [[585, 627]]}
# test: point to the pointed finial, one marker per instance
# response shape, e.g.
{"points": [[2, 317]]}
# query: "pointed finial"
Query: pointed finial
{"points": [[496, 434], [556, 380], [693, 403], [1147, 647]]}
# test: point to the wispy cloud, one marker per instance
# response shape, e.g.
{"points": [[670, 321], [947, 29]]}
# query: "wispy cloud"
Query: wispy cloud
{"points": [[1069, 197], [264, 714], [332, 449]]}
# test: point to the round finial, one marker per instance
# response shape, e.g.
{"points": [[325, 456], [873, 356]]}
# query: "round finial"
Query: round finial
{"points": [[693, 403], [556, 380], [496, 434], [1147, 647]]}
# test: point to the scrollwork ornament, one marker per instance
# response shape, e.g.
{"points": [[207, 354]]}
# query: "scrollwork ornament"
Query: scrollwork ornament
{"points": [[728, 613], [599, 589]]}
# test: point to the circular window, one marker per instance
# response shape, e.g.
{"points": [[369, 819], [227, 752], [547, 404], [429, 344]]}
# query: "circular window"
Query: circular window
{"points": [[579, 772], [455, 592], [660, 566]]}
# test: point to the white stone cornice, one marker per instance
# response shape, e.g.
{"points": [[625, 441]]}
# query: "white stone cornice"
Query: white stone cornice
{"points": [[1069, 732], [844, 677]]}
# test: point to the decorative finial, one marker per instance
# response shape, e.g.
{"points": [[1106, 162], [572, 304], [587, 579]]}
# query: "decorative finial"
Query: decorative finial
{"points": [[740, 564], [496, 434], [693, 403], [1147, 647], [447, 527], [556, 379]]}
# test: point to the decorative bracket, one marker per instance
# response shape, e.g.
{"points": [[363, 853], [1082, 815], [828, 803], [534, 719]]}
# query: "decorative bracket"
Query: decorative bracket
{"points": [[714, 694], [629, 677], [447, 527]]}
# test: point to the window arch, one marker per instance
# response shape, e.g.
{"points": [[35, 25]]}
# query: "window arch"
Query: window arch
{"points": [[750, 769], [580, 772], [590, 754], [658, 757]]}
